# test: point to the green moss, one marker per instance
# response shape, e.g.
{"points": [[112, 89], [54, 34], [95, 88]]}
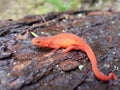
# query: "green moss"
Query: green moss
{"points": [[16, 9]]}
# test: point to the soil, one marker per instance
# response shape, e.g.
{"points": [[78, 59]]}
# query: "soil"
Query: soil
{"points": [[24, 66]]}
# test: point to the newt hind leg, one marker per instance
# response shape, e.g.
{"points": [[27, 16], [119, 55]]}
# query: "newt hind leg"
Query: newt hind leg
{"points": [[70, 48]]}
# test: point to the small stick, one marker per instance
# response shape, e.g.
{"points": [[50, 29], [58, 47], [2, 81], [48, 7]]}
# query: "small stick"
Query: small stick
{"points": [[34, 34]]}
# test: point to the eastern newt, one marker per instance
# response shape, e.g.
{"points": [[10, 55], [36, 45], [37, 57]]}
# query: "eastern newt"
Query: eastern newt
{"points": [[69, 42]]}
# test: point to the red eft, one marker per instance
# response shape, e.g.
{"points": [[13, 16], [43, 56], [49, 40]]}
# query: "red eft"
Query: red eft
{"points": [[69, 42]]}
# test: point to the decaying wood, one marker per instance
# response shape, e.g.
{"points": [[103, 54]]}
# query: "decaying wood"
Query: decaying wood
{"points": [[24, 66]]}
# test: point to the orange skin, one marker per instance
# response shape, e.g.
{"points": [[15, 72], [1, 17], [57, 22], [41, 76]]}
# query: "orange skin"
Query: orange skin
{"points": [[69, 42]]}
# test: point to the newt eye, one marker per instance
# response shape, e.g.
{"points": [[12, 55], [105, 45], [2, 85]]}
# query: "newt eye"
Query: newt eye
{"points": [[37, 41]]}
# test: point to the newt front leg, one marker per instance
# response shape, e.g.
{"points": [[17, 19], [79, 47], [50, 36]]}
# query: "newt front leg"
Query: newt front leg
{"points": [[55, 49]]}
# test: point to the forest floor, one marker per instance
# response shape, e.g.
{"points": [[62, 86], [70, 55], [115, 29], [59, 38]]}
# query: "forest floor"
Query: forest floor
{"points": [[24, 66]]}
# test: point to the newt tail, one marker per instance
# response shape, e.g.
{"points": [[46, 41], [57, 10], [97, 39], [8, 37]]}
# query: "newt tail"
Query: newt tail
{"points": [[95, 69]]}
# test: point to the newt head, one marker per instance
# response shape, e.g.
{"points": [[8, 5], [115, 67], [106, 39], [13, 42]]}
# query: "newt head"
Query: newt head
{"points": [[40, 41]]}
